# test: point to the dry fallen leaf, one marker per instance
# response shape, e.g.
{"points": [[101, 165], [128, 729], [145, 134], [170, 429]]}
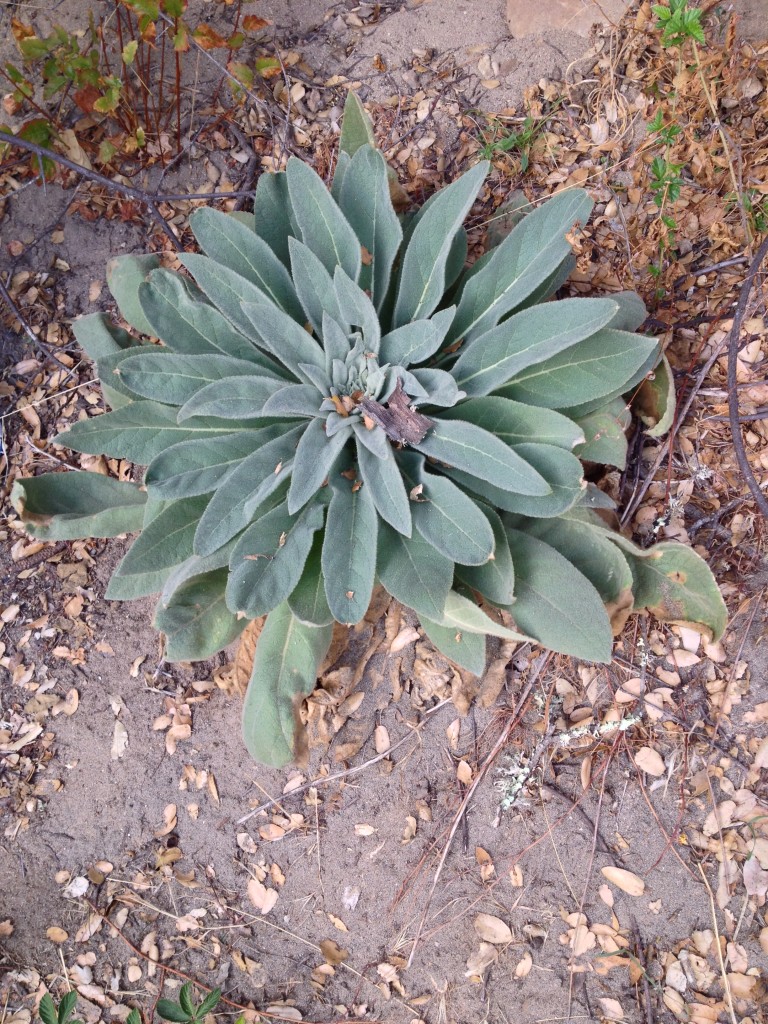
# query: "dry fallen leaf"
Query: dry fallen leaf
{"points": [[333, 952], [119, 741], [649, 760], [261, 897], [627, 881], [464, 773], [381, 739], [523, 969], [480, 961], [492, 929], [611, 1008], [483, 858]]}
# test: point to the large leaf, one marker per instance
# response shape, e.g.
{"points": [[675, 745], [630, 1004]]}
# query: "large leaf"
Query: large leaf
{"points": [[365, 201], [384, 480], [605, 435], [138, 432], [315, 456], [357, 310], [250, 483], [284, 338], [193, 327], [199, 466], [288, 657], [556, 603], [655, 401], [356, 126], [268, 560], [349, 550], [105, 344], [231, 398], [196, 621], [461, 613], [423, 273], [562, 471], [476, 451], [68, 506], [124, 276], [236, 246], [464, 649], [172, 379], [451, 522], [515, 422], [676, 585], [496, 578], [226, 289], [324, 228], [167, 540], [413, 572], [314, 286], [601, 562], [295, 400], [524, 260], [526, 339], [271, 213], [308, 601], [593, 369], [417, 341]]}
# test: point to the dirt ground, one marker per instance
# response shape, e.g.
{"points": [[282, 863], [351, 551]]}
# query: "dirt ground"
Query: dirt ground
{"points": [[135, 797]]}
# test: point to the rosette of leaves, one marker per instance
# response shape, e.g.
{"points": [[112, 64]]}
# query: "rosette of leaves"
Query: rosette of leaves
{"points": [[339, 402]]}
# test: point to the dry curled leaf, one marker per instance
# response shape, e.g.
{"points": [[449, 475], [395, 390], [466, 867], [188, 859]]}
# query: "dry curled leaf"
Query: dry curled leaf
{"points": [[261, 897], [627, 881], [492, 929], [649, 760]]}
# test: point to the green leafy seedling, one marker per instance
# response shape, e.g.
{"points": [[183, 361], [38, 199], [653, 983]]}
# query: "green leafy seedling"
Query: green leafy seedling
{"points": [[49, 1014], [185, 1011], [678, 23]]}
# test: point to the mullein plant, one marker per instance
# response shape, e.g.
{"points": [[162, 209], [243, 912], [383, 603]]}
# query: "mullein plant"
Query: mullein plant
{"points": [[336, 400]]}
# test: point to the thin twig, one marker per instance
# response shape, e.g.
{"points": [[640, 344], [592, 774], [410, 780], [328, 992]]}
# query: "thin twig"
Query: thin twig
{"points": [[733, 394], [188, 977], [718, 947], [479, 776], [38, 343], [126, 190], [323, 779]]}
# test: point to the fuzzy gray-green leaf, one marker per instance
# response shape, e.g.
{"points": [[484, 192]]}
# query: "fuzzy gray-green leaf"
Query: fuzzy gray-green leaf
{"points": [[288, 657], [528, 338], [199, 466], [68, 506], [557, 604], [349, 550], [366, 202], [593, 369], [384, 480], [268, 560], [324, 228], [515, 422], [196, 621], [250, 483], [422, 276], [124, 276], [173, 379], [413, 572], [480, 453], [315, 455], [236, 246], [451, 522], [464, 649], [525, 259]]}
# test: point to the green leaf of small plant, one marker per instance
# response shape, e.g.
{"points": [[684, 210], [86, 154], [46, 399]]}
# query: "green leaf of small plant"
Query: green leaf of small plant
{"points": [[47, 1010]]}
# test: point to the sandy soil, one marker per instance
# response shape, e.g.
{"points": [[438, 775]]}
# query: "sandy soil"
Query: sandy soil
{"points": [[353, 860]]}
